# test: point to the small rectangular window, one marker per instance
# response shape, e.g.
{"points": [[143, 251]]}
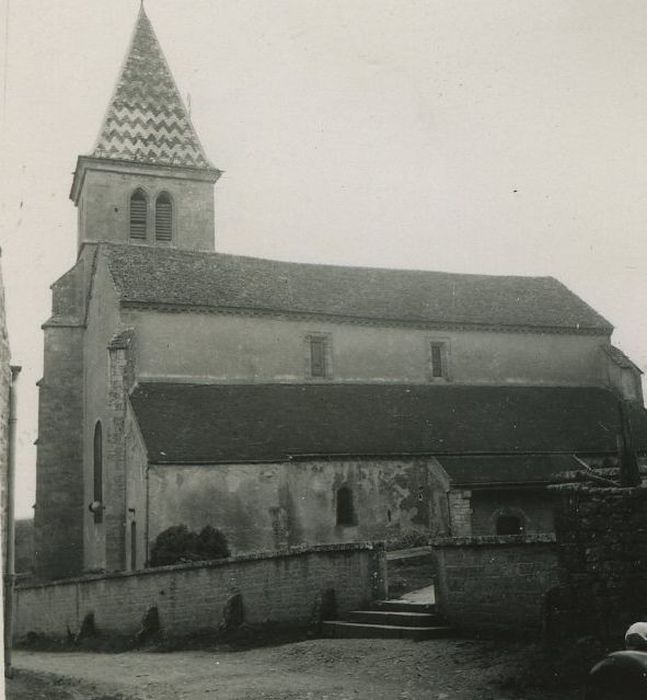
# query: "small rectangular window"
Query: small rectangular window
{"points": [[318, 357], [437, 360]]}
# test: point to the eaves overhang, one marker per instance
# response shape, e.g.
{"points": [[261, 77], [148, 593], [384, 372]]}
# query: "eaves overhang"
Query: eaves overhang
{"points": [[221, 309]]}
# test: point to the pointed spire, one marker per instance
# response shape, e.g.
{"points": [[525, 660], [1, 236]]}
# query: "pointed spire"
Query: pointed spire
{"points": [[146, 121]]}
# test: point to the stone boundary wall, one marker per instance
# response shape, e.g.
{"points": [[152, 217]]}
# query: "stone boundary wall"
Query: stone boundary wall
{"points": [[494, 583], [284, 587], [602, 548]]}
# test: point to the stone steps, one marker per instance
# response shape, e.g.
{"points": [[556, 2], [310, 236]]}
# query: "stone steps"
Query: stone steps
{"points": [[340, 628], [386, 617], [404, 606], [390, 619]]}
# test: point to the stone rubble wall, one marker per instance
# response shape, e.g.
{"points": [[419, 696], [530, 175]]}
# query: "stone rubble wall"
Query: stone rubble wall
{"points": [[602, 549], [280, 587], [494, 583]]}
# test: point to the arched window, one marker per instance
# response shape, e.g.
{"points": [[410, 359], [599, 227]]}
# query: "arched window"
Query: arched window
{"points": [[345, 509], [163, 218], [138, 215], [509, 525], [98, 473]]}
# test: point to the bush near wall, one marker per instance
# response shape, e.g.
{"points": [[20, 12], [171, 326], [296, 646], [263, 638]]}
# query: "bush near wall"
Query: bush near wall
{"points": [[178, 544]]}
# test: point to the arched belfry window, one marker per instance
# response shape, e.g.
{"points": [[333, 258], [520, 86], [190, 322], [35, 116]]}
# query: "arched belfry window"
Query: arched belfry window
{"points": [[163, 217], [345, 507], [138, 215], [97, 494]]}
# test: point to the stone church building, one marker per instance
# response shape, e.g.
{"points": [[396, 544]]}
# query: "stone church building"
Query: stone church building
{"points": [[288, 403]]}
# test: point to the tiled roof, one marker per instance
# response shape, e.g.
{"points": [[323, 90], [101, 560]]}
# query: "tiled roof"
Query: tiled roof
{"points": [[148, 275], [481, 470], [146, 120], [189, 423], [620, 358]]}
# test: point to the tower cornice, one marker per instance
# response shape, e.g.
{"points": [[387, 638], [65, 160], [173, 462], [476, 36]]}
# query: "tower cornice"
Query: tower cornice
{"points": [[110, 165]]}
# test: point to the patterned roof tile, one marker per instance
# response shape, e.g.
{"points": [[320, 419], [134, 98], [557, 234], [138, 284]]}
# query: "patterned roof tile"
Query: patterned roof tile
{"points": [[146, 120]]}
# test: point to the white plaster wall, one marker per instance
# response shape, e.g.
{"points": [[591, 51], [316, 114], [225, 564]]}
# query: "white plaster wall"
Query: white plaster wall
{"points": [[229, 348]]}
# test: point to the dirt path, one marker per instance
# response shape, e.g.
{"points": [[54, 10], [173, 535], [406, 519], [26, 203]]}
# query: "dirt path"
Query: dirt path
{"points": [[27, 685], [321, 669]]}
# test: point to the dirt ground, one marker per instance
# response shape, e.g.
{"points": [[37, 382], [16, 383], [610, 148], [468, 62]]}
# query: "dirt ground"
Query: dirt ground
{"points": [[318, 669], [27, 685]]}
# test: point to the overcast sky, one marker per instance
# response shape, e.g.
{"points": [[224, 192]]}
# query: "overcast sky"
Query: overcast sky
{"points": [[491, 136]]}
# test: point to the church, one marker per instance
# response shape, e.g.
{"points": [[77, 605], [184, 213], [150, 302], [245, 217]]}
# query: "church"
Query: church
{"points": [[286, 403]]}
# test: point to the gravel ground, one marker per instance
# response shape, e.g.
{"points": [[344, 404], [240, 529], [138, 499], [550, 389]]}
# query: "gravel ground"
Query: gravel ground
{"points": [[27, 685], [319, 669]]}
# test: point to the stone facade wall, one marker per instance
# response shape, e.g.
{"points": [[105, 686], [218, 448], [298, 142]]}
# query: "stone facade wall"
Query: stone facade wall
{"points": [[105, 370], [494, 583], [279, 587], [533, 506], [238, 348], [268, 506], [104, 207], [602, 548], [58, 516], [460, 508]]}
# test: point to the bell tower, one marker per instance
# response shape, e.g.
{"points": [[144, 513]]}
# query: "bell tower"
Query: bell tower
{"points": [[148, 180]]}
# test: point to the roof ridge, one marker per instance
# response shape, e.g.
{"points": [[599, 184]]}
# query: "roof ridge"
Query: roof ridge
{"points": [[300, 263]]}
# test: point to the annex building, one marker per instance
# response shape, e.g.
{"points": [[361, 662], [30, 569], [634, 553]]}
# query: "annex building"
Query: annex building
{"points": [[288, 403]]}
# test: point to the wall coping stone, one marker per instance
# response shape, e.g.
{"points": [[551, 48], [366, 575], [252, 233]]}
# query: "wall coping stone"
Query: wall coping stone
{"points": [[297, 551], [493, 540], [598, 489]]}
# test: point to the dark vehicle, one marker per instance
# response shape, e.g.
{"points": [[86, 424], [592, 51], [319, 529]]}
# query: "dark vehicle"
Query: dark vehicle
{"points": [[620, 676]]}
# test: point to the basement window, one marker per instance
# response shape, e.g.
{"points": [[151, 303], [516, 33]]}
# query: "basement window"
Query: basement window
{"points": [[345, 507], [509, 525]]}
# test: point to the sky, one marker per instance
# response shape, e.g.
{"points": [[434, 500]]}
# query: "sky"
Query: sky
{"points": [[481, 136]]}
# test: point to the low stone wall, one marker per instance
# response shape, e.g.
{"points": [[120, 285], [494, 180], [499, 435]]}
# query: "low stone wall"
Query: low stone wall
{"points": [[602, 548], [494, 583], [285, 587]]}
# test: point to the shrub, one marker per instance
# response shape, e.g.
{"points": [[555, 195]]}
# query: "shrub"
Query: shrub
{"points": [[178, 544], [212, 544]]}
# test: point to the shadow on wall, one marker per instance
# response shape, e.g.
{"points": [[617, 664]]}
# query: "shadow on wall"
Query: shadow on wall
{"points": [[24, 552]]}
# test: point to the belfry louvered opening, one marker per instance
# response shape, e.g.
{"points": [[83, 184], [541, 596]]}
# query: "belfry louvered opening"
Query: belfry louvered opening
{"points": [[138, 211], [163, 218]]}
